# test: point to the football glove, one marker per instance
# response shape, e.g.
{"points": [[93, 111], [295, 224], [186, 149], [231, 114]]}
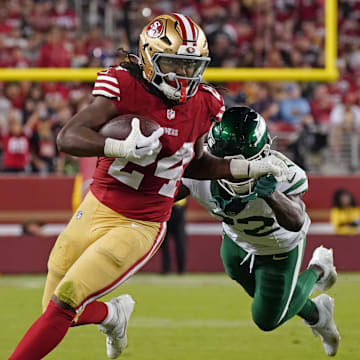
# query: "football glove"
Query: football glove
{"points": [[272, 164], [264, 187], [136, 145]]}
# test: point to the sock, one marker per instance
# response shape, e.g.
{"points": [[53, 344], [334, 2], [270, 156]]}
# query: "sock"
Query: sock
{"points": [[94, 313], [310, 312], [44, 334]]}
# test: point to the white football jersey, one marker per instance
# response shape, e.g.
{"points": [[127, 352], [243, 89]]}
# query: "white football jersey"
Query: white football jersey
{"points": [[255, 228]]}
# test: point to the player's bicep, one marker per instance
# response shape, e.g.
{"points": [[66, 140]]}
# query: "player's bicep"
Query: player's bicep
{"points": [[96, 114]]}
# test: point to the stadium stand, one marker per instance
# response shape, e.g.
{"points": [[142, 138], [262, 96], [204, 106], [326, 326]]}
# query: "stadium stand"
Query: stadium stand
{"points": [[323, 137]]}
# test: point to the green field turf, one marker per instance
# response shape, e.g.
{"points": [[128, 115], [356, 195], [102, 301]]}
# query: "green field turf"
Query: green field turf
{"points": [[193, 317]]}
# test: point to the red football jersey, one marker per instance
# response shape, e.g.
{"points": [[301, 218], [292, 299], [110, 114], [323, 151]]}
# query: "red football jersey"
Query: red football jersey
{"points": [[16, 151], [144, 189]]}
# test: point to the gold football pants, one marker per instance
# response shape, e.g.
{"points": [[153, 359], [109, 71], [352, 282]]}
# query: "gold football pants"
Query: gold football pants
{"points": [[98, 251]]}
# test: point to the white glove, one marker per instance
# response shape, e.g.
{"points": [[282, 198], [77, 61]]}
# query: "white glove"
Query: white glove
{"points": [[136, 145], [253, 169], [269, 165], [284, 160]]}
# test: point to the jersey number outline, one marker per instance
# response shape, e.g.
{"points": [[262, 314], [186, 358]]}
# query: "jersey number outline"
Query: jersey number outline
{"points": [[257, 231], [165, 169]]}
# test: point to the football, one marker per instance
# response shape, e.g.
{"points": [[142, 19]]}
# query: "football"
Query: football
{"points": [[120, 127]]}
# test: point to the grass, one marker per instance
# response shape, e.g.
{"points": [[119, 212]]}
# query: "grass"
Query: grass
{"points": [[192, 317]]}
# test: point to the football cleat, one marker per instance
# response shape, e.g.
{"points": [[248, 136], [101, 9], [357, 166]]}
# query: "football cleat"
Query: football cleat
{"points": [[323, 258], [326, 327], [114, 328]]}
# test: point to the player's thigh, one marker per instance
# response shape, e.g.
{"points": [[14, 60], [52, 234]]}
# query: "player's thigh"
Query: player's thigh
{"points": [[91, 221], [110, 261], [275, 280], [75, 238], [232, 256]]}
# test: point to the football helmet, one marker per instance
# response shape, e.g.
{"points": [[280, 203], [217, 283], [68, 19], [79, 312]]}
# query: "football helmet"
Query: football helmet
{"points": [[173, 53], [241, 134]]}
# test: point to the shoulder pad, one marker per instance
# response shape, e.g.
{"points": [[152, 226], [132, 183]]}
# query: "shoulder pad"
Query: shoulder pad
{"points": [[216, 102], [297, 182]]}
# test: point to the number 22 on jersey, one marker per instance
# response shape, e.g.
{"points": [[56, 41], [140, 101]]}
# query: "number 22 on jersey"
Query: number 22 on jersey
{"points": [[165, 169]]}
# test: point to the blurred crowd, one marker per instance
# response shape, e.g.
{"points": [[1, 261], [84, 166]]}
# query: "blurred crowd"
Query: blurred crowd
{"points": [[310, 120]]}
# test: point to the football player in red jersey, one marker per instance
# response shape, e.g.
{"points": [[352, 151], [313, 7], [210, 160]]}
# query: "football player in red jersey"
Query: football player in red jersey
{"points": [[121, 223]]}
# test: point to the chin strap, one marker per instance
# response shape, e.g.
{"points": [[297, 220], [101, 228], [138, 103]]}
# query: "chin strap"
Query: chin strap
{"points": [[183, 93], [182, 98]]}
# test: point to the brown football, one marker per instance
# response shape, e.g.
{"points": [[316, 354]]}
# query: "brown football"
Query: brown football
{"points": [[120, 127]]}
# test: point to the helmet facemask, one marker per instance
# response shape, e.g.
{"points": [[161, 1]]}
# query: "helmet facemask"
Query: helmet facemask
{"points": [[173, 85], [243, 187]]}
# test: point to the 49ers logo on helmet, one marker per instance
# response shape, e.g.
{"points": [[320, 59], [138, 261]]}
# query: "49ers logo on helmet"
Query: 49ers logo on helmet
{"points": [[155, 29]]}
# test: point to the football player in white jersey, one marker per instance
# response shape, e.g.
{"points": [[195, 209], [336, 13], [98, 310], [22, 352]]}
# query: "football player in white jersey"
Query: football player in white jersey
{"points": [[264, 231]]}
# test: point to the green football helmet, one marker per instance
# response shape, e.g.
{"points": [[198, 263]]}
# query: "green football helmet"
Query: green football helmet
{"points": [[242, 134]]}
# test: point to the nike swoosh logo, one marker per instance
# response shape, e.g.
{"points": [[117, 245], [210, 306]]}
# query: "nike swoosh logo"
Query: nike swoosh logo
{"points": [[136, 226], [139, 147], [279, 257], [292, 179]]}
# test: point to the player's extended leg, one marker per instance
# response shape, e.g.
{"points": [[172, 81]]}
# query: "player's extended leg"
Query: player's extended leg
{"points": [[318, 313], [71, 243], [59, 318], [272, 282], [105, 265]]}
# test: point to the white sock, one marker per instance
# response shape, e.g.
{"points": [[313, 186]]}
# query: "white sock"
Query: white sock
{"points": [[111, 314]]}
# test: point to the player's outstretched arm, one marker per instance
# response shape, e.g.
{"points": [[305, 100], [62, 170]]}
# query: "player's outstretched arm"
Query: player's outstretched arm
{"points": [[206, 166], [80, 137]]}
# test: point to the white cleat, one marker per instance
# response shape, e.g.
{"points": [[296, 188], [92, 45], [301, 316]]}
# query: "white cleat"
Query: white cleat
{"points": [[115, 325], [326, 327], [324, 258]]}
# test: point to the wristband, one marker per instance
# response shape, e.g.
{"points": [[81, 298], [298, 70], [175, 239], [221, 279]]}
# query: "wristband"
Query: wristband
{"points": [[114, 148], [239, 168]]}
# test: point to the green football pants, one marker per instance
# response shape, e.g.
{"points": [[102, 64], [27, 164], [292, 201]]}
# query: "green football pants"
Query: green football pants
{"points": [[279, 292]]}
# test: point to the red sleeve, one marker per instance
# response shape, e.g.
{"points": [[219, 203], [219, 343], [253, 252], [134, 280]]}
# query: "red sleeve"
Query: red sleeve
{"points": [[107, 84], [215, 102], [116, 84]]}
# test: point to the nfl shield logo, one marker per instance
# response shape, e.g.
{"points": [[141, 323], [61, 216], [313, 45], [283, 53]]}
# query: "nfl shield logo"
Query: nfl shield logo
{"points": [[170, 114]]}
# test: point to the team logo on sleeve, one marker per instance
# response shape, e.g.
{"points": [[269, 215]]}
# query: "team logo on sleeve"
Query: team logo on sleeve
{"points": [[155, 29]]}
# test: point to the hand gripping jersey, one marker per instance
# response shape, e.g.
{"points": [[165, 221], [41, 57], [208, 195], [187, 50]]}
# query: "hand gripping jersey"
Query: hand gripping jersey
{"points": [[144, 189], [254, 228]]}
